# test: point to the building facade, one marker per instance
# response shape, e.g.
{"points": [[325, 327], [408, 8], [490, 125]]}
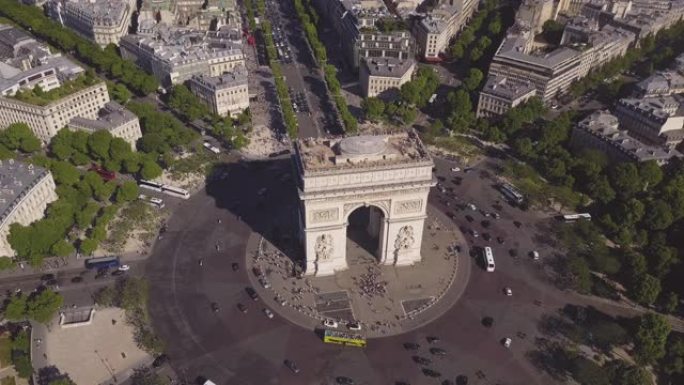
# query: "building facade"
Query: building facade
{"points": [[226, 95], [45, 121], [25, 192], [657, 120], [434, 31], [383, 77], [390, 174], [102, 21], [115, 119], [500, 94]]}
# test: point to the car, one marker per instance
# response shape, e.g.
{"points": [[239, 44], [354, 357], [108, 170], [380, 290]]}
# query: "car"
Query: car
{"points": [[411, 346], [235, 266], [252, 294], [472, 206], [421, 360], [448, 382], [506, 342], [431, 373], [455, 169], [432, 339], [292, 366], [508, 291], [118, 273], [462, 380], [47, 277], [495, 215], [77, 280], [469, 218], [438, 351], [344, 380], [354, 326], [486, 236], [513, 253], [468, 170], [124, 268], [487, 322], [500, 239], [474, 233], [160, 360], [215, 307], [257, 271], [264, 282], [101, 274], [330, 323], [242, 308], [534, 254], [517, 224], [268, 313], [485, 223]]}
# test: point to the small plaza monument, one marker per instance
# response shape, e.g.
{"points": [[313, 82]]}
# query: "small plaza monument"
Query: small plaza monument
{"points": [[388, 175]]}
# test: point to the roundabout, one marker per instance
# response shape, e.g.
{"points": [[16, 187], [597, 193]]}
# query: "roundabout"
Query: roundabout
{"points": [[232, 347]]}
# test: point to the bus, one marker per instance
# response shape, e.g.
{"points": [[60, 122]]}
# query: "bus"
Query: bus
{"points": [[511, 193], [102, 263], [152, 201], [488, 258], [175, 191], [342, 338], [575, 217], [154, 186]]}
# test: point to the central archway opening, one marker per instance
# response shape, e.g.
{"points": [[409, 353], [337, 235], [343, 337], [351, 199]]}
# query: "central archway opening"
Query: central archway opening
{"points": [[363, 234]]}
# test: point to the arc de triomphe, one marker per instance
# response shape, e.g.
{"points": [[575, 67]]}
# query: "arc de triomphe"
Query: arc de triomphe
{"points": [[392, 173]]}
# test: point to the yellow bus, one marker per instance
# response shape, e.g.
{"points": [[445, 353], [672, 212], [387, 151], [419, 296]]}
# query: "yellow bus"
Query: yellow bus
{"points": [[341, 338]]}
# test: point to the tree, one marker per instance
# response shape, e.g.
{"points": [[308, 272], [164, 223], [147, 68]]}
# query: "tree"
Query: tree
{"points": [[601, 190], [22, 364], [119, 149], [472, 82], [671, 302], [18, 136], [98, 144], [373, 108], [624, 178], [587, 372], [127, 192], [43, 306], [494, 27], [146, 376], [65, 173], [62, 381], [650, 337], [16, 308], [6, 263], [552, 31], [62, 249], [650, 173], [580, 273], [646, 289], [150, 170], [106, 296], [658, 216], [88, 246], [673, 362], [475, 54]]}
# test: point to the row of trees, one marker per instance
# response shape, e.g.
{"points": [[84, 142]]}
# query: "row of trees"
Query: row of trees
{"points": [[309, 19], [40, 306], [104, 60], [162, 132], [476, 38]]}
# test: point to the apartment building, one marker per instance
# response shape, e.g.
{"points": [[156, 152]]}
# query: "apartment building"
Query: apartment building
{"points": [[25, 192], [601, 131], [434, 31], [661, 83], [656, 120], [26, 63], [174, 55], [102, 21], [226, 95], [113, 117], [500, 94], [384, 77], [46, 120]]}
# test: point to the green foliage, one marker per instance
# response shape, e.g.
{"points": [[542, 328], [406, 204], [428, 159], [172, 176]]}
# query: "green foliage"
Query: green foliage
{"points": [[472, 82], [62, 381], [650, 338], [22, 364], [64, 173], [147, 376], [41, 98], [587, 372], [419, 90], [645, 289], [127, 192], [673, 361], [6, 263], [161, 130], [119, 93], [16, 308], [18, 136], [43, 306], [62, 248], [150, 170], [88, 246], [189, 106], [552, 31], [106, 296]]}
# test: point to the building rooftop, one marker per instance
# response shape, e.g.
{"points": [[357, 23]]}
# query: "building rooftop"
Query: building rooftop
{"points": [[95, 13], [658, 108], [661, 82], [507, 88], [375, 8], [232, 79], [436, 20], [111, 116], [388, 67], [364, 151], [16, 180]]}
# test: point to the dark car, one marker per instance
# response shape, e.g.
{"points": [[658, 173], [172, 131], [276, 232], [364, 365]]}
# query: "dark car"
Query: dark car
{"points": [[485, 223], [252, 293], [431, 373], [292, 366], [438, 351], [257, 271], [517, 224], [47, 277], [101, 274], [486, 236], [432, 339], [411, 346], [344, 381], [77, 280], [447, 382], [513, 253], [469, 218], [421, 360], [462, 380], [160, 360], [235, 266], [215, 307], [118, 273], [242, 308], [501, 240]]}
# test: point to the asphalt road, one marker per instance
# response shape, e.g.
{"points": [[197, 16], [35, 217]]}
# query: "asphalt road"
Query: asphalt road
{"points": [[234, 348]]}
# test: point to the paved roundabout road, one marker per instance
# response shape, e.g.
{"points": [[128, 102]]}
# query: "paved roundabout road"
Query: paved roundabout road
{"points": [[230, 347]]}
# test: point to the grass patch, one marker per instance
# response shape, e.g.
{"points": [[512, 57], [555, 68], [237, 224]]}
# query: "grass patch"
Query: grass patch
{"points": [[5, 351], [135, 216], [456, 144], [537, 190], [199, 162], [8, 381]]}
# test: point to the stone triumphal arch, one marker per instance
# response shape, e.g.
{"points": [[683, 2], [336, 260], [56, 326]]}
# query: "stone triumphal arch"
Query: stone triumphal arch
{"points": [[391, 173]]}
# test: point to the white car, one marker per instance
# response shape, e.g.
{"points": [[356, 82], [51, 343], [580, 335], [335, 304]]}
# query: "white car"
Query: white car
{"points": [[124, 268], [472, 207], [535, 255], [354, 326], [455, 169], [508, 291], [507, 342], [330, 323], [268, 313]]}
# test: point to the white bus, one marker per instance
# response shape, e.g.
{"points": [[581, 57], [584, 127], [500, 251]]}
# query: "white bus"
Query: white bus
{"points": [[576, 217], [152, 201], [511, 193], [488, 258], [175, 191], [150, 185]]}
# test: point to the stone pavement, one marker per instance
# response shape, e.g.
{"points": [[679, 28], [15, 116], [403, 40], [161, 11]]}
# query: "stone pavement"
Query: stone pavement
{"points": [[385, 300]]}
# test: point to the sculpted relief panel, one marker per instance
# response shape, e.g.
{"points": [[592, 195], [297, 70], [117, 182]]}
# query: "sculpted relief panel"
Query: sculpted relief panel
{"points": [[405, 239], [326, 215], [407, 207], [324, 247]]}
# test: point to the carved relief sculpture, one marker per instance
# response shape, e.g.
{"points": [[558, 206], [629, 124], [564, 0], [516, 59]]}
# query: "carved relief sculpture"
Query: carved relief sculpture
{"points": [[327, 215], [324, 247], [412, 206], [405, 238]]}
